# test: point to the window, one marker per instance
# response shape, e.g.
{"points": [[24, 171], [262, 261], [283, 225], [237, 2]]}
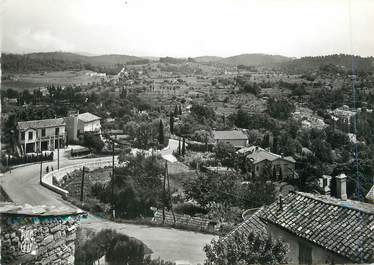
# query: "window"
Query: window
{"points": [[305, 253], [30, 135], [22, 135], [43, 132], [57, 131]]}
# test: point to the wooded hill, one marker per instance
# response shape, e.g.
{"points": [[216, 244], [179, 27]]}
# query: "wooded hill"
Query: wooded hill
{"points": [[59, 61]]}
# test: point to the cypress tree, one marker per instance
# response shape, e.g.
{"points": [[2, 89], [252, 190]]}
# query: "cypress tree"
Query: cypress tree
{"points": [[171, 123], [161, 133], [176, 111], [179, 147], [184, 146], [180, 110]]}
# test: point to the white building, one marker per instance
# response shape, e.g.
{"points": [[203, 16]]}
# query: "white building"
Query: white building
{"points": [[77, 124], [41, 135]]}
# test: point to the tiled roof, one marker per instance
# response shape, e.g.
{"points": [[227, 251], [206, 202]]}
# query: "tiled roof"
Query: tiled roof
{"points": [[257, 154], [343, 227], [229, 135], [252, 224], [87, 117], [36, 124]]}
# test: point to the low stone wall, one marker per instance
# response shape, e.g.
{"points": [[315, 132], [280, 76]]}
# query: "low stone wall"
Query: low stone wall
{"points": [[185, 221], [47, 179], [38, 239]]}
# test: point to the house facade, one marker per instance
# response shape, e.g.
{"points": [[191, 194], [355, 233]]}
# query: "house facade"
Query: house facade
{"points": [[235, 138], [41, 135], [262, 162], [318, 229], [88, 122], [78, 124]]}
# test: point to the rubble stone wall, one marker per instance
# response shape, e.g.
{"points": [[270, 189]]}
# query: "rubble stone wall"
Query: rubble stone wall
{"points": [[39, 240]]}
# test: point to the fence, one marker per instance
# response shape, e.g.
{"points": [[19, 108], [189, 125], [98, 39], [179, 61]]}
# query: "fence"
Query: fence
{"points": [[29, 159]]}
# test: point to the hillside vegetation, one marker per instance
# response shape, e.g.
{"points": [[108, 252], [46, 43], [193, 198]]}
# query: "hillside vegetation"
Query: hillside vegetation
{"points": [[343, 61], [254, 60], [60, 61]]}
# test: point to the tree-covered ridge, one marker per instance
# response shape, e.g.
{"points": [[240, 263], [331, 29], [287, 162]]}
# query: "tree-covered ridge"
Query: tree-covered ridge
{"points": [[60, 61], [342, 62]]}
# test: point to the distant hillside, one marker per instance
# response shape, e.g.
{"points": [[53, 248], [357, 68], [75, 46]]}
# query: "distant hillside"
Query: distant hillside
{"points": [[207, 59], [342, 61], [59, 61], [113, 59], [254, 60]]}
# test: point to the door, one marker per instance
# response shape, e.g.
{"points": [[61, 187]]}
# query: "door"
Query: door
{"points": [[30, 148], [44, 145], [305, 253]]}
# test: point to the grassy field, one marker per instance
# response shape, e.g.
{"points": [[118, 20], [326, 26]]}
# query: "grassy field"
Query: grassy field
{"points": [[63, 78]]}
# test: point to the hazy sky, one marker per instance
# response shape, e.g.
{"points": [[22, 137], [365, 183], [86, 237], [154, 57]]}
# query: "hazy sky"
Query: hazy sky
{"points": [[189, 27]]}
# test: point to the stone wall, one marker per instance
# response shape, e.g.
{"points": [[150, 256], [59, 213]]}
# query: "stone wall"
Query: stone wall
{"points": [[47, 179], [184, 221], [39, 240]]}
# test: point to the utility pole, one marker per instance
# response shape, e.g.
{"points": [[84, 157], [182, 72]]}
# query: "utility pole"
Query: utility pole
{"points": [[112, 169], [41, 166], [171, 203], [82, 185], [58, 153], [164, 199]]}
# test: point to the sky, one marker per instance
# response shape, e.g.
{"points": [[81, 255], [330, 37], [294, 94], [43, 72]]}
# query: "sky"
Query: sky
{"points": [[189, 28]]}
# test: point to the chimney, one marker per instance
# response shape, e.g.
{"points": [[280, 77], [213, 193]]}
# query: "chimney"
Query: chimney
{"points": [[341, 187], [324, 184], [280, 203]]}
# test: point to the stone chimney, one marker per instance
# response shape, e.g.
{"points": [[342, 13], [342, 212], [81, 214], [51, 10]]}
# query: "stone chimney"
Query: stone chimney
{"points": [[341, 187], [324, 184], [280, 203]]}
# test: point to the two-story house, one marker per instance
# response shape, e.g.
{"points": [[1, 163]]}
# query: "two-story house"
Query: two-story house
{"points": [[78, 124], [262, 162], [41, 135]]}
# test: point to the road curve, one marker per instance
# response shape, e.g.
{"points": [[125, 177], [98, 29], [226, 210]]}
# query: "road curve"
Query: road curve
{"points": [[22, 186]]}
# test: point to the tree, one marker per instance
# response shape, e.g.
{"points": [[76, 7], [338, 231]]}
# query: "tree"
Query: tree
{"points": [[171, 123], [245, 249], [136, 187], [179, 146], [180, 110], [93, 141], [176, 110], [161, 137], [226, 154]]}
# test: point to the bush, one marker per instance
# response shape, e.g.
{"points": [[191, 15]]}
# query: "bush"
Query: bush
{"points": [[189, 209], [29, 158], [93, 141], [199, 147]]}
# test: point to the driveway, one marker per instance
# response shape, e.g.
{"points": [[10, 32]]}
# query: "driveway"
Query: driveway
{"points": [[22, 186]]}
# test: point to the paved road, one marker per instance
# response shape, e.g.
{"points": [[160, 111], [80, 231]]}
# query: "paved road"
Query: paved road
{"points": [[22, 185]]}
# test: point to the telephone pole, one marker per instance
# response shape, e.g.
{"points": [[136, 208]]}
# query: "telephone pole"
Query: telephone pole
{"points": [[112, 177], [41, 166], [171, 203], [82, 185], [58, 153], [164, 198]]}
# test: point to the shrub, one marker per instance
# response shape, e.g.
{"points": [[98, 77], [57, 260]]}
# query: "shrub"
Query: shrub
{"points": [[189, 209]]}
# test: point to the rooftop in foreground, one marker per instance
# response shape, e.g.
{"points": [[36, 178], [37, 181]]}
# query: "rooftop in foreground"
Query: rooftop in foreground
{"points": [[39, 210]]}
